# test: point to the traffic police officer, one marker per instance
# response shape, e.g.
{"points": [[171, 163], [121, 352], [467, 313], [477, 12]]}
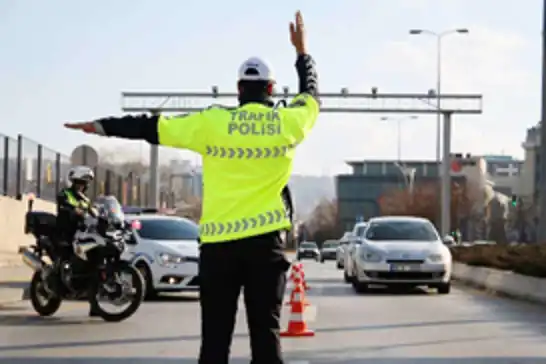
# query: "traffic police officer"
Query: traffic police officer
{"points": [[248, 155]]}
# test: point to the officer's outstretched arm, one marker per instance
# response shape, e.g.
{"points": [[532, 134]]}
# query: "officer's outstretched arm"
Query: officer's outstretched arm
{"points": [[180, 131], [303, 111]]}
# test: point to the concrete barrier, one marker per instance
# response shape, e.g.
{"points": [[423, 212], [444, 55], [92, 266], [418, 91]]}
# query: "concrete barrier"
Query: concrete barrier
{"points": [[12, 222], [503, 282]]}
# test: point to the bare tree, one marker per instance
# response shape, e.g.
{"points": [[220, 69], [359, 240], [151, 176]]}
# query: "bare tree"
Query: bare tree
{"points": [[425, 202], [324, 222]]}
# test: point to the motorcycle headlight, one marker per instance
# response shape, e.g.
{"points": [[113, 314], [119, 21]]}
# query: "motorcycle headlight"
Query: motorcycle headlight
{"points": [[436, 258], [166, 259], [370, 256]]}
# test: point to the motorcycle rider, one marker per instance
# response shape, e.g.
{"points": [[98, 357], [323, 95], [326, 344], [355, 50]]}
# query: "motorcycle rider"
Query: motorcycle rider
{"points": [[72, 206], [72, 203]]}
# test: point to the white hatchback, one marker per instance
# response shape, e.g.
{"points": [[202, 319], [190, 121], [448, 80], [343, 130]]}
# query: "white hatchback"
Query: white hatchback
{"points": [[400, 250], [165, 249]]}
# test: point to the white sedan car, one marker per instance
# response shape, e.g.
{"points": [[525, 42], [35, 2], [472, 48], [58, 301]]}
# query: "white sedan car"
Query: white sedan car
{"points": [[165, 250], [341, 249], [400, 250]]}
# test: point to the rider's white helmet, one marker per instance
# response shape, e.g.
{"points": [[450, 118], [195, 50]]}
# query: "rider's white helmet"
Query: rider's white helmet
{"points": [[80, 174]]}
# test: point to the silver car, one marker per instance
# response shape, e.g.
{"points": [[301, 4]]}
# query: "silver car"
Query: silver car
{"points": [[400, 250], [341, 249], [328, 250]]}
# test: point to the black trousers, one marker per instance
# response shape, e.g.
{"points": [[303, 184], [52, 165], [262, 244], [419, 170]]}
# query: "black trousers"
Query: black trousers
{"points": [[258, 266]]}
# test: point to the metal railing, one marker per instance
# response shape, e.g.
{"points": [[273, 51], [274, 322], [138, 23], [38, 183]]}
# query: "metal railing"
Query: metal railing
{"points": [[29, 167]]}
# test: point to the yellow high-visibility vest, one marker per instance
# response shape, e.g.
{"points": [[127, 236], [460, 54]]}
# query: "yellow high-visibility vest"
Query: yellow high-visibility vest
{"points": [[248, 157]]}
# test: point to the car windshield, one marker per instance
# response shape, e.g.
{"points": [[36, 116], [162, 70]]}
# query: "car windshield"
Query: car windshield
{"points": [[401, 230], [330, 244], [308, 245], [168, 229], [360, 230]]}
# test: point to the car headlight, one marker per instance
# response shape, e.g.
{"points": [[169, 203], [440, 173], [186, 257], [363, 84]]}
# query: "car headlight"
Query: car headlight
{"points": [[166, 259], [436, 258], [370, 256]]}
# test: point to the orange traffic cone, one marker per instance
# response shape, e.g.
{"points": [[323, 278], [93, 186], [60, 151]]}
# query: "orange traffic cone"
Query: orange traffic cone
{"points": [[295, 291], [302, 274], [297, 327]]}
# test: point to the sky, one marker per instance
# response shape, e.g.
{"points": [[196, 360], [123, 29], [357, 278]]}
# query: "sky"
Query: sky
{"points": [[66, 60]]}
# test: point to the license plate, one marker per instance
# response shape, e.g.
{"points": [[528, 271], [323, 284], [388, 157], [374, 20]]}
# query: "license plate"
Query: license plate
{"points": [[405, 268]]}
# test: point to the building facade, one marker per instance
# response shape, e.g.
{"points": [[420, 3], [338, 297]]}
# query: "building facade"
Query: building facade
{"points": [[358, 193], [504, 172], [530, 170]]}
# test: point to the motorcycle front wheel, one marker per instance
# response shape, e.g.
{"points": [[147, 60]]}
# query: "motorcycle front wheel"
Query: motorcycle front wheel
{"points": [[99, 293], [44, 303]]}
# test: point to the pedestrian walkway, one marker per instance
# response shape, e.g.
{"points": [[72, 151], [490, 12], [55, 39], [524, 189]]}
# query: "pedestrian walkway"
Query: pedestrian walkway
{"points": [[13, 282], [10, 259]]}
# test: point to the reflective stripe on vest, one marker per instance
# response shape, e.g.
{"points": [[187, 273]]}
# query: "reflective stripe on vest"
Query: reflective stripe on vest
{"points": [[262, 220], [74, 201], [248, 153]]}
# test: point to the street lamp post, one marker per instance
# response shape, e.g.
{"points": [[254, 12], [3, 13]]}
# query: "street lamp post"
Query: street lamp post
{"points": [[399, 131], [439, 37]]}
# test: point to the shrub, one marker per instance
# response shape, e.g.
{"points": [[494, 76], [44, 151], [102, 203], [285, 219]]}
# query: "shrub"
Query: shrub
{"points": [[528, 260]]}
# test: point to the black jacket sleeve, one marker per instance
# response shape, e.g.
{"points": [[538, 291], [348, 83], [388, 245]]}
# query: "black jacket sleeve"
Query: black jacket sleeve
{"points": [[307, 74], [288, 202], [143, 127]]}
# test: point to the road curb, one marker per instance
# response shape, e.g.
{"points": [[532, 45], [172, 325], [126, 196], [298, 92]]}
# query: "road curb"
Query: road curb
{"points": [[505, 283]]}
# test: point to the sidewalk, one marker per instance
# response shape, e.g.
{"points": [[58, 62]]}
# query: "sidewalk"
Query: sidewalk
{"points": [[14, 279]]}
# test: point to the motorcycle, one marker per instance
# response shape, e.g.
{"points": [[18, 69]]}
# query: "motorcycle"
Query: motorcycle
{"points": [[94, 269]]}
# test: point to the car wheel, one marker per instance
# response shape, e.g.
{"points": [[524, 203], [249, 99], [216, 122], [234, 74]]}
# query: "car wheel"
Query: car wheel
{"points": [[149, 289], [346, 277], [359, 287], [339, 266], [444, 288]]}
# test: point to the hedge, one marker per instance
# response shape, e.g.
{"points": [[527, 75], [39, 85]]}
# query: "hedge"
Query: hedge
{"points": [[529, 260]]}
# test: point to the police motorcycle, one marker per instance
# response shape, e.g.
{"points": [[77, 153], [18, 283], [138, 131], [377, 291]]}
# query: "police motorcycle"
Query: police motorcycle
{"points": [[95, 269]]}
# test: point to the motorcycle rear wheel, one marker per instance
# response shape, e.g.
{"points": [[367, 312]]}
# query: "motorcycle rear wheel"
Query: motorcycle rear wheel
{"points": [[136, 299], [42, 302]]}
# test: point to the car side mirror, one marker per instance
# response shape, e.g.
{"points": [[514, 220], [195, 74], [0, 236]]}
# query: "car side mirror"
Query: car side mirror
{"points": [[448, 240]]}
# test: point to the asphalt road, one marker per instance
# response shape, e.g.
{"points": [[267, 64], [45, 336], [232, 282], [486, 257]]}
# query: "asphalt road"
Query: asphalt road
{"points": [[382, 327]]}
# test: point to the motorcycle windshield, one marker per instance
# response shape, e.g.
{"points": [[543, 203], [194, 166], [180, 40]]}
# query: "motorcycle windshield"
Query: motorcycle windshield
{"points": [[112, 209]]}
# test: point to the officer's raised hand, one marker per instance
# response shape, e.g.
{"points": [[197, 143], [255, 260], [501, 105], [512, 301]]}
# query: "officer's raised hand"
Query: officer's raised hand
{"points": [[87, 127], [297, 34]]}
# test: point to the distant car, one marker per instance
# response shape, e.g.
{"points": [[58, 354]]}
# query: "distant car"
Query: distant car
{"points": [[342, 247], [328, 250], [400, 250], [165, 249], [355, 238], [308, 249]]}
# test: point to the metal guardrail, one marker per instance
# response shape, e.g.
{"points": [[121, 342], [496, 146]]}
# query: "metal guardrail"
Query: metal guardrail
{"points": [[27, 166]]}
